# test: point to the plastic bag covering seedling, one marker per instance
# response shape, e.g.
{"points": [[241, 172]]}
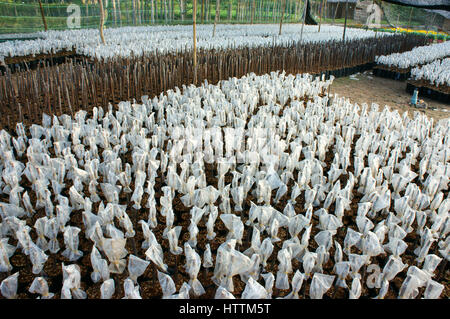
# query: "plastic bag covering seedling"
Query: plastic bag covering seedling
{"points": [[183, 293], [196, 215], [107, 289], [155, 253], [131, 291], [222, 293], [266, 250], [433, 290], [172, 236], [51, 232], [254, 290], [192, 266], [71, 240], [319, 285], [99, 266], [297, 282], [40, 286], [355, 291], [234, 225], [431, 263], [167, 285], [342, 269], [136, 267], [39, 226], [8, 287], [207, 257], [71, 283], [309, 261], [6, 251], [38, 258], [393, 267], [114, 249], [409, 288], [284, 269], [356, 262], [255, 244]]}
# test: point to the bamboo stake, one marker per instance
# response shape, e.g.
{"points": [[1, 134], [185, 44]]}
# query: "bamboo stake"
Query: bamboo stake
{"points": [[410, 15], [102, 21], [202, 11], [253, 11], [216, 16], [282, 15], [303, 21], [321, 10], [195, 40], [43, 15], [345, 21], [335, 12]]}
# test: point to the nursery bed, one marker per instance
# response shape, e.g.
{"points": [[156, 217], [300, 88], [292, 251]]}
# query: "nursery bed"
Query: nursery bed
{"points": [[150, 287], [441, 94], [391, 73], [83, 83], [31, 62]]}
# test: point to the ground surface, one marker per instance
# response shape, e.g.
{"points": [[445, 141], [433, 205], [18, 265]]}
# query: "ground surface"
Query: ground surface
{"points": [[368, 88]]}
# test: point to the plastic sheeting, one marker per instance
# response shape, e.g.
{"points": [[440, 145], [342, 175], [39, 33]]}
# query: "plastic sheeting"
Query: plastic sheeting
{"points": [[426, 4]]}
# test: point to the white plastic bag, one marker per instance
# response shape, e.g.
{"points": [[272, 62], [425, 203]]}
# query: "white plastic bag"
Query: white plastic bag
{"points": [[192, 266], [40, 286], [107, 289], [131, 291], [222, 293], [297, 282], [114, 249], [136, 267], [355, 291], [319, 285], [284, 268], [71, 240], [38, 258], [8, 287], [433, 290], [172, 236], [254, 290]]}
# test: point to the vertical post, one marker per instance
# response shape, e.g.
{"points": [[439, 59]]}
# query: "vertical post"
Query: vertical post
{"points": [[303, 20], [114, 12], [43, 16], [410, 15], [253, 11], [335, 12], [282, 15], [321, 11], [345, 21], [194, 14], [152, 15], [102, 20], [133, 6], [182, 9], [202, 9], [216, 17]]}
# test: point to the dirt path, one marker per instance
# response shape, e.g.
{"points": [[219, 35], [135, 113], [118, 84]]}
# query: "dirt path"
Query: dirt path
{"points": [[368, 88]]}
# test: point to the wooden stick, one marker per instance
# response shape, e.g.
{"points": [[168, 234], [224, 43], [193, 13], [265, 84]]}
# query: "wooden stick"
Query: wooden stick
{"points": [[102, 20], [216, 16], [321, 10], [303, 21], [195, 41], [282, 15], [43, 15], [345, 21]]}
